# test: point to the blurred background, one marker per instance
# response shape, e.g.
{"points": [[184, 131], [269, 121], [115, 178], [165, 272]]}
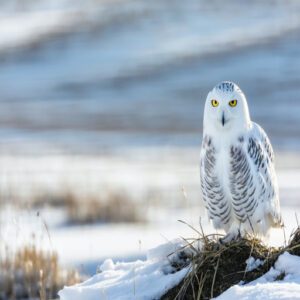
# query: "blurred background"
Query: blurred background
{"points": [[101, 106]]}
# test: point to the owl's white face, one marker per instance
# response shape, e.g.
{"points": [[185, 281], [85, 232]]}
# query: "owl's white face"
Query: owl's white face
{"points": [[226, 109]]}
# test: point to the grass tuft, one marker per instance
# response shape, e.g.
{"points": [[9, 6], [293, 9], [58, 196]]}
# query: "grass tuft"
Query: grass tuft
{"points": [[33, 274], [111, 207], [116, 209], [217, 267]]}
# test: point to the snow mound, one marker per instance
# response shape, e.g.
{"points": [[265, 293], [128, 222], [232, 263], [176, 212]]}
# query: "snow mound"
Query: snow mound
{"points": [[266, 287], [149, 279], [166, 266]]}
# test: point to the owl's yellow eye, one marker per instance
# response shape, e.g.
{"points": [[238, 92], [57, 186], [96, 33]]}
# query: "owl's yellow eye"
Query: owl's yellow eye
{"points": [[214, 103], [233, 103]]}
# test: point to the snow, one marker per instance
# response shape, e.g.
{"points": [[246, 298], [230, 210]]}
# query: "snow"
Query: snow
{"points": [[164, 173], [34, 25], [159, 253], [41, 19], [48, 17], [148, 279], [253, 263], [105, 244], [266, 287], [152, 278], [87, 246]]}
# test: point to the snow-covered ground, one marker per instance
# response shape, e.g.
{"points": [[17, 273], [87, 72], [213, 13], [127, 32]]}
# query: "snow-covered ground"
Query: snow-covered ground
{"points": [[266, 287], [126, 245], [88, 246], [135, 172], [25, 24], [153, 277], [41, 18], [148, 279]]}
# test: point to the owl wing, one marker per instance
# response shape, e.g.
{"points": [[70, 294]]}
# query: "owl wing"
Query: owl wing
{"points": [[215, 202], [261, 160]]}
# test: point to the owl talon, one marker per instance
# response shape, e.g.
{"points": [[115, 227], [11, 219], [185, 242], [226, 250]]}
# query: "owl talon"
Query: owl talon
{"points": [[233, 236]]}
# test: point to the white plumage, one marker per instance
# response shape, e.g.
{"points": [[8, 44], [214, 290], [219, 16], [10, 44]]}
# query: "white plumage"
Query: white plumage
{"points": [[238, 179]]}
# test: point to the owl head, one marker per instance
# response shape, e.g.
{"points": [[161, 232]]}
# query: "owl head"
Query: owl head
{"points": [[226, 109]]}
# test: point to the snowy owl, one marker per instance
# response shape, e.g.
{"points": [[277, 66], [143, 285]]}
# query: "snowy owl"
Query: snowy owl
{"points": [[238, 180]]}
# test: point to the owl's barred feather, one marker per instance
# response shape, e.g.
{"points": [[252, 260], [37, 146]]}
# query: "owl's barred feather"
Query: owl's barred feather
{"points": [[238, 179]]}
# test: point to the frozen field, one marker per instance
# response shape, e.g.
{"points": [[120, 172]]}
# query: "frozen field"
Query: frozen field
{"points": [[88, 246], [123, 251], [107, 98]]}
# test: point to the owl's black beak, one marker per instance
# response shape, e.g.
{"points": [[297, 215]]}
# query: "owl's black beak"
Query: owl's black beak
{"points": [[223, 118]]}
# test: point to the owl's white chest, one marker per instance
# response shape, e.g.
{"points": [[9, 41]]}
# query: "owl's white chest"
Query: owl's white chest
{"points": [[223, 161]]}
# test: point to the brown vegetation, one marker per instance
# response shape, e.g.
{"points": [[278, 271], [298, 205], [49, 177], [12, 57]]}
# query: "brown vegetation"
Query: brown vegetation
{"points": [[217, 267], [33, 274], [115, 209]]}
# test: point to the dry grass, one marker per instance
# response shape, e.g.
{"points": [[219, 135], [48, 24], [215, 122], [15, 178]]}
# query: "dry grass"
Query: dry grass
{"points": [[114, 209], [33, 274], [217, 267]]}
